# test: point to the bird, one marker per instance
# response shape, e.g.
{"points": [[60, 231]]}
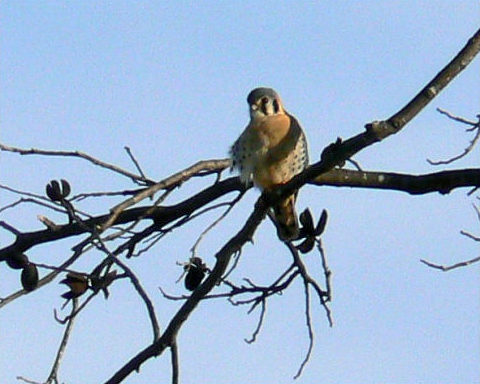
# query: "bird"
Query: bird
{"points": [[271, 150]]}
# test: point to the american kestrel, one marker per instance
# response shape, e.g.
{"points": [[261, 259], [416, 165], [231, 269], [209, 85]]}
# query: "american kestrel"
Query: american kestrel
{"points": [[270, 151]]}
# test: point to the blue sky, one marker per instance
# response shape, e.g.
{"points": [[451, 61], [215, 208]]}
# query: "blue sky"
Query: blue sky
{"points": [[169, 80]]}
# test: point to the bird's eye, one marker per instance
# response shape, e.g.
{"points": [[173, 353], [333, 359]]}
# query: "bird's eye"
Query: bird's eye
{"points": [[264, 105], [276, 107]]}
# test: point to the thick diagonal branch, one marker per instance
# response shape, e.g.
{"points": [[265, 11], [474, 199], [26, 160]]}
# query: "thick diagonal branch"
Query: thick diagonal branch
{"points": [[379, 130], [223, 259]]}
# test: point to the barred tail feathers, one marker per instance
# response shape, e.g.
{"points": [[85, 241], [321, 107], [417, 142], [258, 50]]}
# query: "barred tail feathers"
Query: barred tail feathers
{"points": [[286, 219]]}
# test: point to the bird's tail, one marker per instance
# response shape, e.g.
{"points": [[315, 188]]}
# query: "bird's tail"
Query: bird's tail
{"points": [[286, 219]]}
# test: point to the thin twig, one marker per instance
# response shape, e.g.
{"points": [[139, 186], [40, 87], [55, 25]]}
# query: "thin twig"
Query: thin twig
{"points": [[53, 377], [136, 283], [323, 296], [138, 287], [28, 381], [236, 259], [326, 271], [135, 162], [126, 192], [23, 193], [68, 317], [450, 267], [468, 149], [138, 220], [30, 200], [355, 164], [458, 118], [462, 263], [55, 268], [477, 210], [169, 182], [79, 154], [469, 235], [310, 332], [259, 323], [36, 199], [231, 204]]}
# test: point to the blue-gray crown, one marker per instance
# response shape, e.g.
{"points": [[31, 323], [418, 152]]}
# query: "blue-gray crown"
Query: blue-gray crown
{"points": [[258, 93]]}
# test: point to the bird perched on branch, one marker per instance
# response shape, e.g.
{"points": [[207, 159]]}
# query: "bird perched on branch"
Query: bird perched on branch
{"points": [[270, 151]]}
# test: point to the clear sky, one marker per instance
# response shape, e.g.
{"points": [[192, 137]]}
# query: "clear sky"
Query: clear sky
{"points": [[169, 80]]}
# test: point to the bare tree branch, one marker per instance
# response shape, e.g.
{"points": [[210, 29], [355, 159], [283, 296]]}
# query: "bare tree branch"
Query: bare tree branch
{"points": [[462, 263], [135, 162], [170, 182], [310, 331], [462, 120], [28, 381], [323, 296], [255, 333], [470, 236], [138, 287], [77, 252], [79, 154], [450, 267], [53, 377], [175, 362], [223, 258], [474, 126], [376, 131], [161, 215], [443, 182]]}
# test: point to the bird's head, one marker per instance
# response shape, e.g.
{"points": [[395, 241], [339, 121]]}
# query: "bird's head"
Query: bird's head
{"points": [[264, 102]]}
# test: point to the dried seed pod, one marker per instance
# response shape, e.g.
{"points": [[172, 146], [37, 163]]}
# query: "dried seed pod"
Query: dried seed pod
{"points": [[53, 190], [65, 188], [77, 283], [322, 222], [29, 277], [196, 272], [98, 283], [306, 245], [17, 260], [306, 219]]}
